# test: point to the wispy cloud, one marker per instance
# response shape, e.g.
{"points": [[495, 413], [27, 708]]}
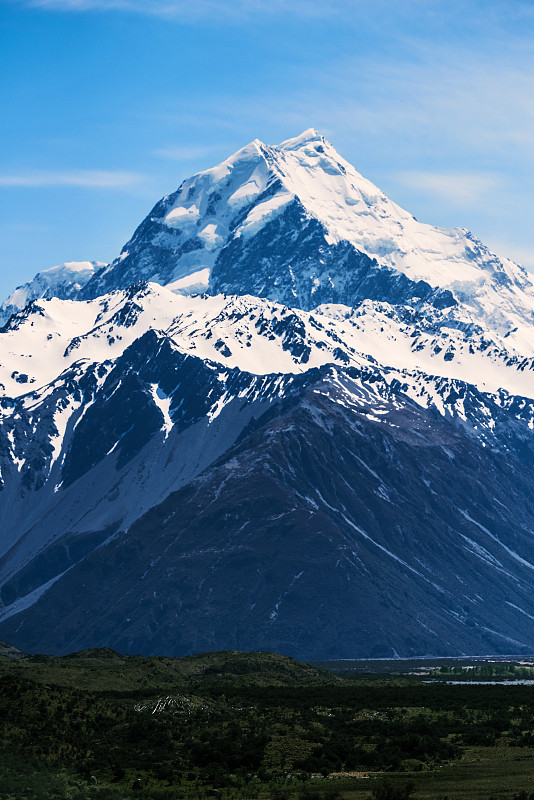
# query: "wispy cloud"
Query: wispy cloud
{"points": [[456, 188], [185, 9], [479, 11], [445, 100], [89, 179], [429, 103]]}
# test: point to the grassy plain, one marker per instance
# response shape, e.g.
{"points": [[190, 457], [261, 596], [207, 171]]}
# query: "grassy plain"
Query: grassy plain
{"points": [[258, 725]]}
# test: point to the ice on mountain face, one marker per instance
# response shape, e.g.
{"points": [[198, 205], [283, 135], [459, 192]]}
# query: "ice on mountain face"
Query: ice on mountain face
{"points": [[186, 230], [263, 213], [211, 238], [196, 283], [183, 218], [250, 190], [64, 281]]}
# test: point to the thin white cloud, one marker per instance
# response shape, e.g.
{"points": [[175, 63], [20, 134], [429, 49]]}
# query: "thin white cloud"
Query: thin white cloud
{"points": [[186, 9], [479, 11], [89, 179], [456, 188]]}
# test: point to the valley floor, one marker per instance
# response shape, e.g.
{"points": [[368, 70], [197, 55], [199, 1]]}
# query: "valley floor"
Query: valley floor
{"points": [[257, 726]]}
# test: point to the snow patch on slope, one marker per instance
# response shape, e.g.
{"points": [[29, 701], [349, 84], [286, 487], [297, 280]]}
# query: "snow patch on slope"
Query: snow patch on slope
{"points": [[257, 336]]}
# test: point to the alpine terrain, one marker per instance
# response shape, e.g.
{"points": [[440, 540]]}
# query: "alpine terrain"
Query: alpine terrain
{"points": [[63, 281], [287, 417]]}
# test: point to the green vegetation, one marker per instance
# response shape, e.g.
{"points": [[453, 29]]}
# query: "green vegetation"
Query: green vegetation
{"points": [[488, 671], [235, 726]]}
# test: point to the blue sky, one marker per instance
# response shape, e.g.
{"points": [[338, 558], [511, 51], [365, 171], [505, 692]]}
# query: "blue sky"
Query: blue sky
{"points": [[109, 104]]}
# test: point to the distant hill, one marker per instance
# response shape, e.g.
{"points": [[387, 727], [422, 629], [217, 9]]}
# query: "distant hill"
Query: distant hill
{"points": [[12, 653], [102, 669]]}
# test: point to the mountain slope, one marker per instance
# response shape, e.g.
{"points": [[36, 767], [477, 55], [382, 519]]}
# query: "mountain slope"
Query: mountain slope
{"points": [[372, 559]]}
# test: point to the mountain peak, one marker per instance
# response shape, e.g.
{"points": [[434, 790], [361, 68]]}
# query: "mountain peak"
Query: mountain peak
{"points": [[306, 137], [225, 226]]}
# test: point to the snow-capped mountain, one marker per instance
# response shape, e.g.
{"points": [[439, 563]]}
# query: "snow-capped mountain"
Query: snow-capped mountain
{"points": [[298, 224], [329, 451], [64, 280]]}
